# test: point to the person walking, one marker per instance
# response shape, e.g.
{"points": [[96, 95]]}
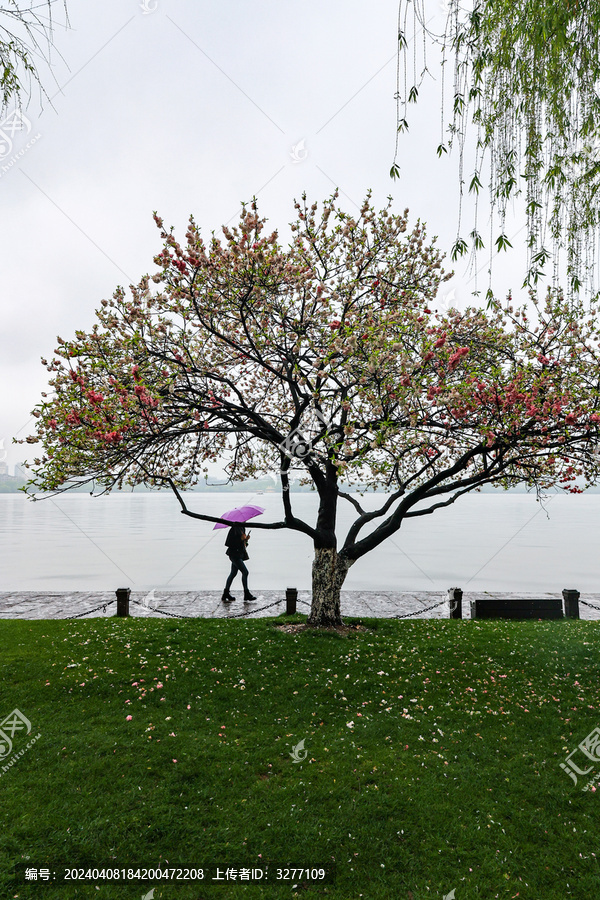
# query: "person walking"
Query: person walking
{"points": [[236, 544]]}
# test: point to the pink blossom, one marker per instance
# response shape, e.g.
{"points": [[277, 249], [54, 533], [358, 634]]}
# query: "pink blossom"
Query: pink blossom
{"points": [[128, 718], [456, 356]]}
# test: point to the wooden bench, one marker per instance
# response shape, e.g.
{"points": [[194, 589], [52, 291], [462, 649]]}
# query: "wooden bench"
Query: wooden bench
{"points": [[516, 607], [501, 608]]}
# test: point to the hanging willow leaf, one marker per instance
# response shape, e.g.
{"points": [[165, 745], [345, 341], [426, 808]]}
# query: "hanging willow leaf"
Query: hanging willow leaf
{"points": [[502, 242], [26, 42], [526, 76], [459, 249], [477, 240], [475, 184]]}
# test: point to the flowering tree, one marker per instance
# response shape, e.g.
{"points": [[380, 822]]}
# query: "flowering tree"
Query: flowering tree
{"points": [[327, 357]]}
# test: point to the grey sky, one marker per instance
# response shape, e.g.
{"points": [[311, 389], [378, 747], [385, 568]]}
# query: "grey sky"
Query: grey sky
{"points": [[190, 108]]}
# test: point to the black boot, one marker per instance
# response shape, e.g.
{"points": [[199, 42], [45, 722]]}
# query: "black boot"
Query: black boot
{"points": [[227, 597], [248, 597]]}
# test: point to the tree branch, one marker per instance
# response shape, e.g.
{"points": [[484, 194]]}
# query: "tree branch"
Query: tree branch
{"points": [[295, 524]]}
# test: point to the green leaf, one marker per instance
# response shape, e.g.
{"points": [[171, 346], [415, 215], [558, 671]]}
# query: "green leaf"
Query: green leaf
{"points": [[459, 249], [459, 103], [475, 184], [507, 187], [502, 243], [477, 240]]}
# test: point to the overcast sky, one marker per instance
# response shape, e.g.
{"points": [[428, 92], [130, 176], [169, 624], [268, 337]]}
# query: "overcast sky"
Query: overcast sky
{"points": [[191, 107]]}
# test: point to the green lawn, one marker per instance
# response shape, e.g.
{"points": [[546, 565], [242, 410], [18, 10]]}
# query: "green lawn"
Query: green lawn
{"points": [[432, 756]]}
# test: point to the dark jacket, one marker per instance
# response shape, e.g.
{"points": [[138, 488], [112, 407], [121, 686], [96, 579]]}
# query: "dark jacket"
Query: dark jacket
{"points": [[236, 546]]}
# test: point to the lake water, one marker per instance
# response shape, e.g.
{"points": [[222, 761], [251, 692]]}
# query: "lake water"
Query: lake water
{"points": [[496, 542]]}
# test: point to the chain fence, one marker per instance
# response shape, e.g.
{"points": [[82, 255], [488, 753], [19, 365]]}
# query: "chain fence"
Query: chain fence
{"points": [[252, 612], [247, 613], [591, 605], [417, 611], [163, 612], [242, 615], [95, 609]]}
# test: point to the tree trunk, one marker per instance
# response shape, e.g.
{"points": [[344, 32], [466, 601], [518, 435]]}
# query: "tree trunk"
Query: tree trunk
{"points": [[328, 575]]}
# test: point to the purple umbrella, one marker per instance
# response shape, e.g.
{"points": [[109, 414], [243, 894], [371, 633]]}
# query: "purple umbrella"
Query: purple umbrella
{"points": [[240, 514]]}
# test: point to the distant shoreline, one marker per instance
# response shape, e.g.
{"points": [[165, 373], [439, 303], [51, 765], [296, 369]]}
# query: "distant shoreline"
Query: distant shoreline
{"points": [[11, 485]]}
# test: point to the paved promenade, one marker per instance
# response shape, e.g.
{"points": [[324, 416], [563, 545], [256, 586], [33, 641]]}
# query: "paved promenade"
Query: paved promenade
{"points": [[208, 605]]}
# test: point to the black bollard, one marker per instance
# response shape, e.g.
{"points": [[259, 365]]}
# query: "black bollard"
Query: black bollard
{"points": [[571, 598], [455, 600], [123, 595], [291, 596]]}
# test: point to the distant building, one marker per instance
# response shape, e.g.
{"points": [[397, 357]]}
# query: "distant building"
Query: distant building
{"points": [[3, 468]]}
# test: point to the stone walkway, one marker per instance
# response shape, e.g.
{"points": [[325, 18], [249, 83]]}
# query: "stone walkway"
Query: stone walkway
{"points": [[207, 604]]}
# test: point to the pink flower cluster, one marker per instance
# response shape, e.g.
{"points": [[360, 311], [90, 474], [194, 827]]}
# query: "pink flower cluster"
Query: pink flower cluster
{"points": [[143, 396], [456, 357], [433, 391]]}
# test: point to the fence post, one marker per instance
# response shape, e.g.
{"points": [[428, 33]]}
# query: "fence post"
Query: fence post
{"points": [[571, 598], [291, 595], [455, 601], [123, 595]]}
